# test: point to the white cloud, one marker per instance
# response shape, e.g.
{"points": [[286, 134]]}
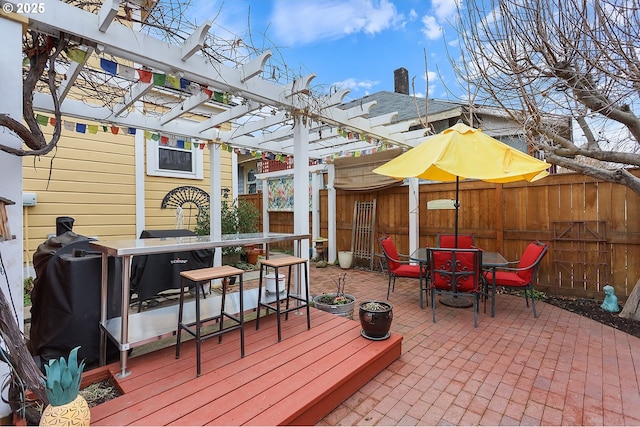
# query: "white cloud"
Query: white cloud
{"points": [[431, 29], [355, 84], [302, 22], [445, 9]]}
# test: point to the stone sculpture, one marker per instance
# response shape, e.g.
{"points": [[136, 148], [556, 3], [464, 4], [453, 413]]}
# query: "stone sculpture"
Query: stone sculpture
{"points": [[610, 302]]}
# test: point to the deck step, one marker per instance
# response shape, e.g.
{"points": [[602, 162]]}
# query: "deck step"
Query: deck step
{"points": [[295, 382]]}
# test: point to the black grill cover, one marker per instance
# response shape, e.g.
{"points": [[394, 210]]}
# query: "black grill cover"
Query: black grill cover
{"points": [[65, 310], [152, 274]]}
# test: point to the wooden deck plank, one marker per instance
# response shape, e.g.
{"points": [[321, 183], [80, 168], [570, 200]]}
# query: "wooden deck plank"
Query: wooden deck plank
{"points": [[221, 386], [156, 386], [298, 380]]}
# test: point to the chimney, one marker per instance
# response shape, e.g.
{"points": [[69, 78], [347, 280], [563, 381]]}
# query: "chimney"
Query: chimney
{"points": [[401, 81]]}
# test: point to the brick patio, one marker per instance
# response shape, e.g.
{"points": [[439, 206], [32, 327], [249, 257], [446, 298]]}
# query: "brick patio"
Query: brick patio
{"points": [[514, 369]]}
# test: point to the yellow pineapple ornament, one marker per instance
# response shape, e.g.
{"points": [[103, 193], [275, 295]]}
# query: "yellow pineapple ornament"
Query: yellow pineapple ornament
{"points": [[62, 384]]}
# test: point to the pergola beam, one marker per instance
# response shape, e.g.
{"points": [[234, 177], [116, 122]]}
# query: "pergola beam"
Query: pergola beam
{"points": [[136, 92], [195, 42], [72, 74], [107, 14], [184, 107]]}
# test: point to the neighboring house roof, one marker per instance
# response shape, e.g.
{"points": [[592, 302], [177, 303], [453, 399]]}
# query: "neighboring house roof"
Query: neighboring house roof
{"points": [[407, 106]]}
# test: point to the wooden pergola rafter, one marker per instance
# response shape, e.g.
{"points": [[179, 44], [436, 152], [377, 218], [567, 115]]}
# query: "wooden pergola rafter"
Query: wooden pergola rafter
{"points": [[258, 105]]}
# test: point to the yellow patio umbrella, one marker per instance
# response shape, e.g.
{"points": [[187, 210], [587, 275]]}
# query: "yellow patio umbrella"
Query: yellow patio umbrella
{"points": [[461, 152]]}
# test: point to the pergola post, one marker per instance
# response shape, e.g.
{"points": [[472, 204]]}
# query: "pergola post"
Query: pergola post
{"points": [[215, 202], [11, 167], [414, 214], [331, 214], [301, 185]]}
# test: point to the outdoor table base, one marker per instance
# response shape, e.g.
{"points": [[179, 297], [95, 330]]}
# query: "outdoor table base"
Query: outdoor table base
{"points": [[456, 301]]}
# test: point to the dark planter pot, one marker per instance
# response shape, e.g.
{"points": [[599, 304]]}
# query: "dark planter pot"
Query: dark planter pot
{"points": [[376, 323]]}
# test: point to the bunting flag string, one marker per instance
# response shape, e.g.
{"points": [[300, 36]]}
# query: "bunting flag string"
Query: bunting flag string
{"points": [[93, 129], [185, 143]]}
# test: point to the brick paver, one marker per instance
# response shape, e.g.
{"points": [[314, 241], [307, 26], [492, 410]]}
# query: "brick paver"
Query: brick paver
{"points": [[560, 368]]}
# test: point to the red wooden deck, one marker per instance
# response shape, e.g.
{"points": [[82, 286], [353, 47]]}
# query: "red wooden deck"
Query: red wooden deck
{"points": [[295, 382]]}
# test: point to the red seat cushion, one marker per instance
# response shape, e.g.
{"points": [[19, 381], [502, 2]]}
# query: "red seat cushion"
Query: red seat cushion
{"points": [[529, 257], [464, 263], [507, 278], [407, 270], [465, 241], [392, 253]]}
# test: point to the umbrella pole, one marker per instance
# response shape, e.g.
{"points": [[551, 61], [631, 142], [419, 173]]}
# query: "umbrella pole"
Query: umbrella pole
{"points": [[457, 206], [455, 300]]}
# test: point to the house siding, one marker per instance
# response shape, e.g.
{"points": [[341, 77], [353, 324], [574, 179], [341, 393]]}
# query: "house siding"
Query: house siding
{"points": [[91, 178]]}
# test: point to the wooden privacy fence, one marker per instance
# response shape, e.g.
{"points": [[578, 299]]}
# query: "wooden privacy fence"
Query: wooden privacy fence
{"points": [[593, 226]]}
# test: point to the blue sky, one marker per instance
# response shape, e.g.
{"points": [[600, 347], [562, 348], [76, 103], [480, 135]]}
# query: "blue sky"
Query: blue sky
{"points": [[355, 44]]}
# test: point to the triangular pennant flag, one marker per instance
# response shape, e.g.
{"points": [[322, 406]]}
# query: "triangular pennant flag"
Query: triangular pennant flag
{"points": [[69, 125], [174, 81], [81, 127], [93, 129], [126, 72], [42, 120], [202, 145], [115, 130], [145, 76], [104, 128], [109, 66], [159, 79], [77, 55]]}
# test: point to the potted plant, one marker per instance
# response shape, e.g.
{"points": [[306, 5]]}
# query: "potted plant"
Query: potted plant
{"points": [[236, 218], [375, 318], [62, 384], [338, 303]]}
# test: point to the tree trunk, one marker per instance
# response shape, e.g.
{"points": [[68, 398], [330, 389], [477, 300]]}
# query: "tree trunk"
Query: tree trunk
{"points": [[631, 309], [22, 363]]}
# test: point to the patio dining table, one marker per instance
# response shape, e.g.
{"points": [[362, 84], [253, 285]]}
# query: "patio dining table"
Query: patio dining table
{"points": [[490, 261], [132, 330]]}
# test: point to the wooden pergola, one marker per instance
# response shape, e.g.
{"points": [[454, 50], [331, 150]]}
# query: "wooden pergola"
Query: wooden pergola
{"points": [[223, 105]]}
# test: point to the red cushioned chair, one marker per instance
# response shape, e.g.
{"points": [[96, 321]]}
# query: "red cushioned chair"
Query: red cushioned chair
{"points": [[465, 241], [456, 272], [399, 266], [524, 274]]}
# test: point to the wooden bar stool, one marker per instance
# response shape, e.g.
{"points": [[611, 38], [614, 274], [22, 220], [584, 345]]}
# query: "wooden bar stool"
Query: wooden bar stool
{"points": [[198, 277], [275, 305]]}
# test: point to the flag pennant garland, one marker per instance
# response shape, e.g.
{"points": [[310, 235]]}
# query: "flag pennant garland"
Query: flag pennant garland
{"points": [[93, 129], [77, 55], [164, 140], [42, 120], [109, 66], [81, 128], [159, 79], [115, 130], [126, 72], [69, 125], [145, 75], [173, 81]]}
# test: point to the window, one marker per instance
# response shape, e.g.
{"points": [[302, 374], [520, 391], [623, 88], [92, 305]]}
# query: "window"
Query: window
{"points": [[177, 162]]}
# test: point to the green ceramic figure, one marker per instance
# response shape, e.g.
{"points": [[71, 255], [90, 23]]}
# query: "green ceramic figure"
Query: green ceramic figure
{"points": [[610, 302]]}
